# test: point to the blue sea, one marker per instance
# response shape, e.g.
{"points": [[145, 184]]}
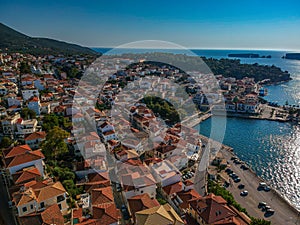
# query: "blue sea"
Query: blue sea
{"points": [[272, 149]]}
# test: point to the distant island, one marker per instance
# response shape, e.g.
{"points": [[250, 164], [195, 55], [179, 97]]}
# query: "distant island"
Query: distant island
{"points": [[248, 55], [292, 56], [14, 41]]}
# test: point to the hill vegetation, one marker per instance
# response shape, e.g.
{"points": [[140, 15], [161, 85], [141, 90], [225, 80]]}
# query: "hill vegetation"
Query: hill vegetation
{"points": [[225, 67], [14, 41]]}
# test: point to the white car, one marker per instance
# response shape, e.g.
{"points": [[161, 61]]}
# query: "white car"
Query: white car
{"points": [[244, 193]]}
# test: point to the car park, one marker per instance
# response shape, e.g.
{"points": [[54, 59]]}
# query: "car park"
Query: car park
{"points": [[244, 193]]}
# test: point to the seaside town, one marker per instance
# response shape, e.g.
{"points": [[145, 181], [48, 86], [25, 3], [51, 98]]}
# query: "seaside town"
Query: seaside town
{"points": [[76, 154]]}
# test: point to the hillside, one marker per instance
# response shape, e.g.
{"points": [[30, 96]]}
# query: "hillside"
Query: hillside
{"points": [[12, 40]]}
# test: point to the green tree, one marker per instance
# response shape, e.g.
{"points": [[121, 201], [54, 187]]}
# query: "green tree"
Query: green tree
{"points": [[256, 221], [50, 121], [55, 145], [27, 113], [24, 68], [5, 142]]}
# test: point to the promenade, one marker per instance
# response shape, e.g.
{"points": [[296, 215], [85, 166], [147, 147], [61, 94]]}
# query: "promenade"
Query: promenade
{"points": [[285, 213]]}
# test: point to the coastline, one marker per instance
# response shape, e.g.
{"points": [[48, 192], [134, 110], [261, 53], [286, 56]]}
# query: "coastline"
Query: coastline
{"points": [[228, 152], [279, 194]]}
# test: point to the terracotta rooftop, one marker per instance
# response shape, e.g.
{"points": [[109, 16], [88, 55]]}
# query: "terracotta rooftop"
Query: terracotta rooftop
{"points": [[24, 158], [102, 196], [173, 188], [36, 135], [106, 214], [26, 175], [212, 208], [17, 150], [141, 202]]}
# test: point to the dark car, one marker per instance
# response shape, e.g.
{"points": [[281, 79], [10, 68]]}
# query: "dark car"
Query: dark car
{"points": [[125, 212], [241, 186], [228, 170], [267, 188], [237, 179], [270, 211], [262, 204], [244, 167], [244, 193]]}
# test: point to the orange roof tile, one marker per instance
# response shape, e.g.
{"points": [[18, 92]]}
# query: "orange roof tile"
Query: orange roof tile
{"points": [[36, 135], [102, 195], [26, 175], [173, 188], [17, 150], [106, 214]]}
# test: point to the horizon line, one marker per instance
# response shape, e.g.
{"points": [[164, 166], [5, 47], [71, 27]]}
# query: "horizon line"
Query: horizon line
{"points": [[199, 48]]}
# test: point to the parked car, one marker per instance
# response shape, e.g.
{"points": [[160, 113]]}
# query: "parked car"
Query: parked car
{"points": [[10, 204], [228, 170], [266, 208], [118, 187], [241, 186], [237, 179], [262, 204], [267, 188], [236, 161], [262, 186], [232, 175], [125, 212], [270, 211], [244, 193], [244, 167]]}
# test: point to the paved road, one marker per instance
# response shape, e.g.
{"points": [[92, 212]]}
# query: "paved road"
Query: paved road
{"points": [[5, 211], [284, 214]]}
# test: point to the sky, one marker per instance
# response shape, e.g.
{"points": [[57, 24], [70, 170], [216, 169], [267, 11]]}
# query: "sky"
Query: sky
{"points": [[210, 24]]}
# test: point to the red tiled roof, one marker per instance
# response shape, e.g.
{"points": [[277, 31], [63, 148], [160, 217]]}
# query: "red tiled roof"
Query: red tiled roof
{"points": [[17, 150], [212, 208], [24, 158], [141, 202], [52, 215], [186, 196], [36, 135], [102, 196], [26, 175], [106, 214], [173, 188]]}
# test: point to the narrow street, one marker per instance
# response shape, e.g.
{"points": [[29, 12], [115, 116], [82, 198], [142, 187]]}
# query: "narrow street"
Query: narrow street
{"points": [[5, 211]]}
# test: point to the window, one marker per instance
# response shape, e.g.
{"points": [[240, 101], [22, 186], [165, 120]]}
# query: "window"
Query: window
{"points": [[59, 206], [31, 206], [60, 198], [24, 209], [42, 205]]}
